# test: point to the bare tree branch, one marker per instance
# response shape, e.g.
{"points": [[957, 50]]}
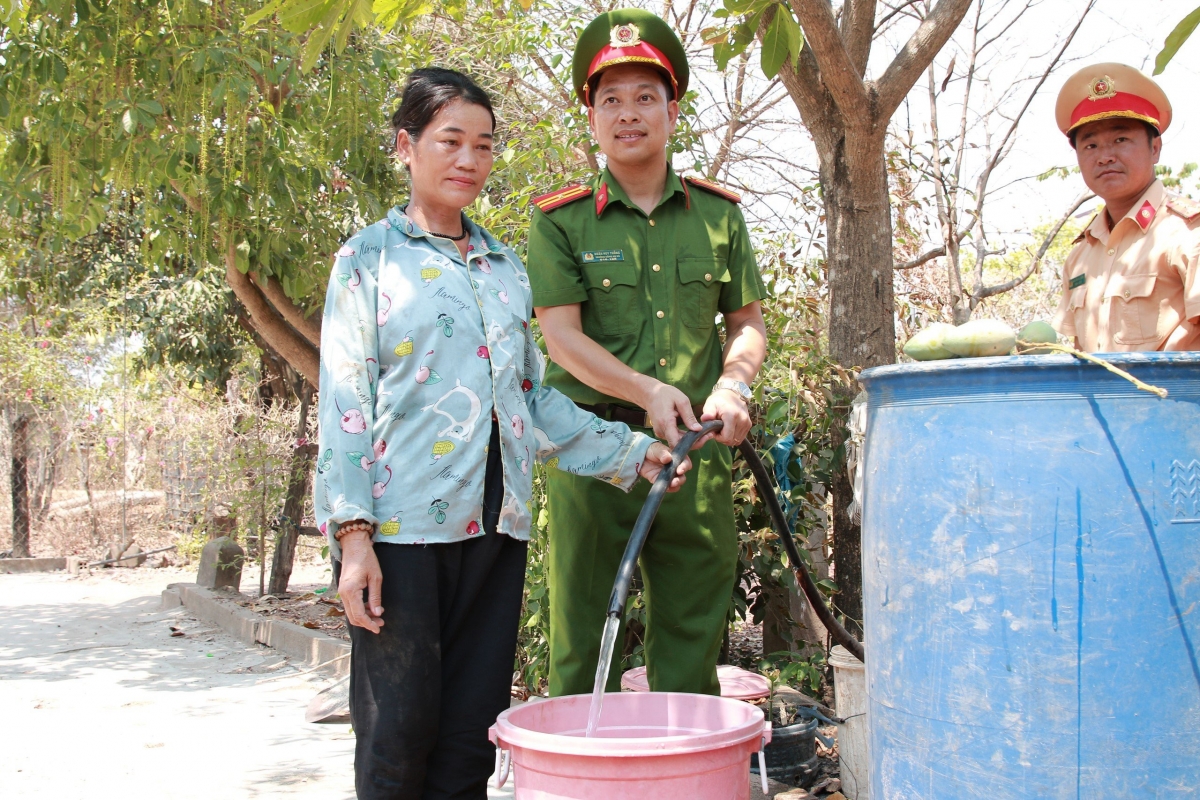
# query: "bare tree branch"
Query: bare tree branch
{"points": [[858, 31], [984, 292], [307, 327], [838, 71], [290, 346], [917, 54]]}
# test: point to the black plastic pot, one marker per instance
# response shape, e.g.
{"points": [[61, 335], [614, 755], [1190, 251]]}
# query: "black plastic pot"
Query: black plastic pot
{"points": [[792, 754]]}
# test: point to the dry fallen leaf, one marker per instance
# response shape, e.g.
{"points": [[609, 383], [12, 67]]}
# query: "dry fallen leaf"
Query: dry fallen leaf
{"points": [[335, 612], [308, 623]]}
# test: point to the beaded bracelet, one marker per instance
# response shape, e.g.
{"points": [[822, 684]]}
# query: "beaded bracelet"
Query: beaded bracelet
{"points": [[351, 527]]}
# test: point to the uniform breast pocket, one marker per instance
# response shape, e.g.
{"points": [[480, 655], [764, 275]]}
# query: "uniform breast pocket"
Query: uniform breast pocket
{"points": [[612, 295], [1133, 309], [700, 282]]}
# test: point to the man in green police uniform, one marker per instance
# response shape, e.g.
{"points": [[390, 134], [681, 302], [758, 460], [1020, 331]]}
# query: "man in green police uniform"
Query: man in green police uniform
{"points": [[629, 273]]}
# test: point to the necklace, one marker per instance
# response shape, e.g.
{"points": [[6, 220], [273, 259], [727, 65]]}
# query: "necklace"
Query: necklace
{"points": [[458, 238]]}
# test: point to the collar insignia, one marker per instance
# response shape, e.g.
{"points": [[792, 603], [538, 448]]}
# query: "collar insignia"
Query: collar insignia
{"points": [[626, 35], [1146, 214], [601, 199], [1101, 88]]}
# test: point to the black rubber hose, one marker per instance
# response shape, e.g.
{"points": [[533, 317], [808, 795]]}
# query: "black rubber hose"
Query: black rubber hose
{"points": [[641, 529], [767, 490]]}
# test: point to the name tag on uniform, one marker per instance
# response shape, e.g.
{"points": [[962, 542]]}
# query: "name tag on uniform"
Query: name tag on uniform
{"points": [[590, 256], [1077, 281]]}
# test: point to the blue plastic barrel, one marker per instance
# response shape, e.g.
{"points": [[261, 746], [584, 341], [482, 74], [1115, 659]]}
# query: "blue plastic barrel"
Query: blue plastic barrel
{"points": [[1031, 569]]}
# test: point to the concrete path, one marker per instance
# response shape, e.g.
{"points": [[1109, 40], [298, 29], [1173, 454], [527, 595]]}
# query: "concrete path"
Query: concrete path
{"points": [[100, 700]]}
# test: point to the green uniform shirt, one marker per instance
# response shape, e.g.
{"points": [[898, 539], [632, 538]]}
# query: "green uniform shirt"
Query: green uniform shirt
{"points": [[650, 286]]}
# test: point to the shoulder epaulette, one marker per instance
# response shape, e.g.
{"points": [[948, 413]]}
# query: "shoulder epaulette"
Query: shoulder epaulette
{"points": [[1184, 207], [715, 188], [556, 199]]}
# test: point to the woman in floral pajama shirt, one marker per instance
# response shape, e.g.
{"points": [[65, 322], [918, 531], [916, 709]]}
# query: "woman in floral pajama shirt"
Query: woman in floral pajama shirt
{"points": [[432, 410]]}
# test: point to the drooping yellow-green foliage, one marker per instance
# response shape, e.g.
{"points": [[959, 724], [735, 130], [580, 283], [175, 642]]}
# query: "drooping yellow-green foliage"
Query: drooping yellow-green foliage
{"points": [[183, 132]]}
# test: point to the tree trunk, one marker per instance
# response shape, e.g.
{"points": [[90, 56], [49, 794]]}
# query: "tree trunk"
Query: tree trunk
{"points": [[19, 479], [862, 329], [293, 507], [847, 542], [83, 452]]}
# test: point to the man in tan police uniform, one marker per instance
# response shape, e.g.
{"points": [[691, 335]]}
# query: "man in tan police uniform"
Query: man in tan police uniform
{"points": [[1130, 282]]}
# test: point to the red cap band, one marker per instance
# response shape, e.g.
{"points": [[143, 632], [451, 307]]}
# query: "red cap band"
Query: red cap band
{"points": [[640, 53], [1121, 104]]}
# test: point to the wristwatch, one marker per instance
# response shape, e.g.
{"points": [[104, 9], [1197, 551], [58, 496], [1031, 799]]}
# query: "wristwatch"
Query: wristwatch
{"points": [[734, 386]]}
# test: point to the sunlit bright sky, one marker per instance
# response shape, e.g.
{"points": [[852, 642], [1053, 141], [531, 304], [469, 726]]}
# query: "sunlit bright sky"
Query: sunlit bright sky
{"points": [[1128, 31]]}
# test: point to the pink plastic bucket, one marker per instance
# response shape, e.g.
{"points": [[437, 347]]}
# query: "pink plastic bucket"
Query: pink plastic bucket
{"points": [[654, 745], [736, 683]]}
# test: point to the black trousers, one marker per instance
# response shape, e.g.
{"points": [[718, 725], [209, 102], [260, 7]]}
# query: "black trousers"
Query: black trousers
{"points": [[425, 689]]}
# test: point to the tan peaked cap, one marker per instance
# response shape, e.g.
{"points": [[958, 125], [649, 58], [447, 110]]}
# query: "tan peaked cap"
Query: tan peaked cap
{"points": [[1109, 91]]}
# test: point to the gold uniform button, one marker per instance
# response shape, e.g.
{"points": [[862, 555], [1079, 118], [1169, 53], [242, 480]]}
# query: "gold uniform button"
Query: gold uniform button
{"points": [[651, 223], [708, 276], [661, 315], [1126, 294], [656, 268], [662, 362], [1112, 252], [607, 283]]}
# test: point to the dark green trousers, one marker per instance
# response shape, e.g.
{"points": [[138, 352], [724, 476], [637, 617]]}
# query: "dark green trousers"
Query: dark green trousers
{"points": [[688, 567]]}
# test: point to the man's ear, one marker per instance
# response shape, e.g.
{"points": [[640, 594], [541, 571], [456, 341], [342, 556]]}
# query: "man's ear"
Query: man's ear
{"points": [[591, 114], [1156, 147], [673, 113]]}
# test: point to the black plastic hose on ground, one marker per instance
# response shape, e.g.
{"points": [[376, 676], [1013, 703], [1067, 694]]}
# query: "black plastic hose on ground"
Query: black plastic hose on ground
{"points": [[616, 603]]}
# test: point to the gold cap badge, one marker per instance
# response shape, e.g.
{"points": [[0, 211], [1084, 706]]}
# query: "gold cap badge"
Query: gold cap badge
{"points": [[1101, 88], [626, 35]]}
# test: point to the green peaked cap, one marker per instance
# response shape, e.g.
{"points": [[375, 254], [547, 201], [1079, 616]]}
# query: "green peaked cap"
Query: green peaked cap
{"points": [[623, 34]]}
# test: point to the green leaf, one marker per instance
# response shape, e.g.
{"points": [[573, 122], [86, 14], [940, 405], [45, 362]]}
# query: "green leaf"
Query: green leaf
{"points": [[314, 47], [242, 257], [152, 107], [300, 16], [128, 122], [782, 39], [723, 53], [1175, 40], [264, 12]]}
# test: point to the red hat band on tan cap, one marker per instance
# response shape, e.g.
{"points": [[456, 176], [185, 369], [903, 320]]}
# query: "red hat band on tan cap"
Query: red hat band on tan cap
{"points": [[1119, 104], [1111, 91]]}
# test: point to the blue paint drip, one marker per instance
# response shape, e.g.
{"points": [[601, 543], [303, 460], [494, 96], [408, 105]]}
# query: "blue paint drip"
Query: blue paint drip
{"points": [[1079, 645], [1054, 570], [1162, 562]]}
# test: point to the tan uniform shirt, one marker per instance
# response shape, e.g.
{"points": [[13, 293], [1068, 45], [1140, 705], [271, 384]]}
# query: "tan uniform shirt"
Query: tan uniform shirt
{"points": [[1135, 287]]}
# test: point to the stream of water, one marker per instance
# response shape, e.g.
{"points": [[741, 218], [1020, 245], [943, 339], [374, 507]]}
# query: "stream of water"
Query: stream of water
{"points": [[607, 642]]}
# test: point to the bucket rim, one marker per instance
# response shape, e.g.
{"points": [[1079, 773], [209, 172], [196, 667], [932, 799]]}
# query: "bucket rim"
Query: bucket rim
{"points": [[755, 727]]}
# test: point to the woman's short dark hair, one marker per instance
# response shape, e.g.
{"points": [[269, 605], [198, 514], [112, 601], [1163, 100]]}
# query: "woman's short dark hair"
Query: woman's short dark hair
{"points": [[429, 90]]}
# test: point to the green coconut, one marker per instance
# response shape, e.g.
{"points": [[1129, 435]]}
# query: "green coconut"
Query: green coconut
{"points": [[926, 345], [1038, 331]]}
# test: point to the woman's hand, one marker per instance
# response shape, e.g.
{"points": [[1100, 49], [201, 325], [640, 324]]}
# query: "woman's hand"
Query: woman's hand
{"points": [[657, 457], [360, 570]]}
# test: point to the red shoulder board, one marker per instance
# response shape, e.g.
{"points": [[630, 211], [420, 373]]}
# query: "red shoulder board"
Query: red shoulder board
{"points": [[715, 188], [1188, 209], [569, 194]]}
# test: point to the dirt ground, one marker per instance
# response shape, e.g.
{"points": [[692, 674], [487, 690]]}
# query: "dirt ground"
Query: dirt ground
{"points": [[101, 700]]}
